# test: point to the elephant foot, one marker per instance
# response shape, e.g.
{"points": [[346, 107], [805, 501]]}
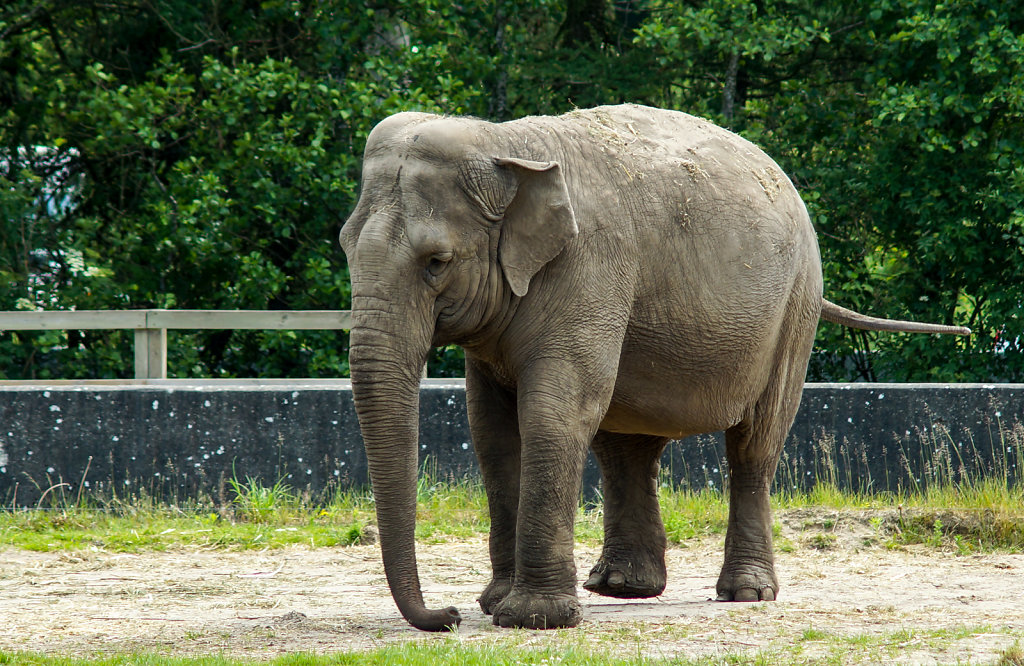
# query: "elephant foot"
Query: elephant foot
{"points": [[492, 595], [747, 583], [634, 578], [532, 610]]}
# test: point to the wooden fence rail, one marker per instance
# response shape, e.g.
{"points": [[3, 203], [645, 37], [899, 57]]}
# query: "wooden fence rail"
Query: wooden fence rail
{"points": [[151, 326]]}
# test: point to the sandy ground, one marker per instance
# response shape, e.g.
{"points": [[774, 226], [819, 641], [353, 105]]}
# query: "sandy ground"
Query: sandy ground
{"points": [[913, 605]]}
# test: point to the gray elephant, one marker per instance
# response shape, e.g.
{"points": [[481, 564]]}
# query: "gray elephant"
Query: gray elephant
{"points": [[618, 277]]}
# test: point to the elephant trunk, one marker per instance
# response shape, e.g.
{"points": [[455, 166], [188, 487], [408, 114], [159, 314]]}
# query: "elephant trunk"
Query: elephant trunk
{"points": [[385, 384]]}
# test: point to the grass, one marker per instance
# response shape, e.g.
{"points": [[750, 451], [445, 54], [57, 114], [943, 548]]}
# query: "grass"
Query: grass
{"points": [[958, 496], [816, 645], [971, 517], [1012, 656], [570, 648], [434, 652], [257, 516], [412, 655], [951, 512], [954, 498]]}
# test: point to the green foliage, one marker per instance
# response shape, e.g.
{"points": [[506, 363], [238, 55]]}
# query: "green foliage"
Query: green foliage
{"points": [[209, 154], [196, 155], [901, 125]]}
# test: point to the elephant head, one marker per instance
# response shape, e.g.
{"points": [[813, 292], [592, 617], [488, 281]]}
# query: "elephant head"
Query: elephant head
{"points": [[450, 228]]}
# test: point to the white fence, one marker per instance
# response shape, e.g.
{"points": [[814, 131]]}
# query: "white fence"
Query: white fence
{"points": [[151, 326]]}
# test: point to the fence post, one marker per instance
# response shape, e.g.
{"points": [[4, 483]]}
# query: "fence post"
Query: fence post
{"points": [[151, 353]]}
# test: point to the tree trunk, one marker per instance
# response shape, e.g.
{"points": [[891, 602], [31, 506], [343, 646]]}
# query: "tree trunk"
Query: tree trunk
{"points": [[729, 92]]}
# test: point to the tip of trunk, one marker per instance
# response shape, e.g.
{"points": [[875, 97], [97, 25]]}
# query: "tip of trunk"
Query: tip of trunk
{"points": [[444, 619], [386, 394]]}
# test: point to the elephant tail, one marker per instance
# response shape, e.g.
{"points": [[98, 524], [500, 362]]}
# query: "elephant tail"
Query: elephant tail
{"points": [[837, 314]]}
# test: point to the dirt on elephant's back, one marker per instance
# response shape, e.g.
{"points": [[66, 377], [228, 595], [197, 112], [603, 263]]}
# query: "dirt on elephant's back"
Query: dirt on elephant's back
{"points": [[844, 593]]}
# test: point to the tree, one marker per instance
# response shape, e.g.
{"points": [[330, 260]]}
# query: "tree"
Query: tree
{"points": [[901, 126], [216, 148], [167, 153]]}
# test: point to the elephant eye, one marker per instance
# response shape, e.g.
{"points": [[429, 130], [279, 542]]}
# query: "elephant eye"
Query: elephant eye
{"points": [[438, 263]]}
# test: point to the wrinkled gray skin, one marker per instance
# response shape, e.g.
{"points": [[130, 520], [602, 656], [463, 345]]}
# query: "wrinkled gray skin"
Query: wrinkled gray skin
{"points": [[618, 277]]}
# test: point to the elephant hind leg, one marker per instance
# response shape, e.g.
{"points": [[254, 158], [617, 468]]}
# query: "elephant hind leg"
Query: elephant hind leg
{"points": [[748, 573], [632, 563], [753, 448]]}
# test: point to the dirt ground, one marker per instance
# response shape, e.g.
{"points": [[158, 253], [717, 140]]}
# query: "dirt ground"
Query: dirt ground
{"points": [[842, 592]]}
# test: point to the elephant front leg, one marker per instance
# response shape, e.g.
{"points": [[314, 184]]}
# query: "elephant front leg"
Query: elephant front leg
{"points": [[543, 593], [632, 563], [555, 436], [494, 425]]}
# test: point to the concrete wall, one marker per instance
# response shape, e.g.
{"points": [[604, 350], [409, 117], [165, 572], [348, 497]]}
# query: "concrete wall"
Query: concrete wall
{"points": [[179, 440]]}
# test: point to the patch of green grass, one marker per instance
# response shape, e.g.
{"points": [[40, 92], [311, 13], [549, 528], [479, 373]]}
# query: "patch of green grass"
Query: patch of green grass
{"points": [[256, 516], [966, 517], [964, 522], [160, 528], [590, 522], [1012, 656], [836, 647], [450, 651], [257, 503], [823, 541], [961, 530], [633, 644], [693, 514], [687, 514], [979, 515], [812, 634], [447, 509]]}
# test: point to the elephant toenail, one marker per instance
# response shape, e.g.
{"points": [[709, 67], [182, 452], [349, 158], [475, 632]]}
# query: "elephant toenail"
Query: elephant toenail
{"points": [[767, 594], [746, 594], [616, 580]]}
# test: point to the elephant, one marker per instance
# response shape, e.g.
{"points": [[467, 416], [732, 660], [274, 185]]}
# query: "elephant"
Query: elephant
{"points": [[618, 277]]}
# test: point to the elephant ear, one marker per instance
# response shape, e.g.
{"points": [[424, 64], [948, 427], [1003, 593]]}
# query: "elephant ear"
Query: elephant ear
{"points": [[537, 224]]}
